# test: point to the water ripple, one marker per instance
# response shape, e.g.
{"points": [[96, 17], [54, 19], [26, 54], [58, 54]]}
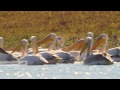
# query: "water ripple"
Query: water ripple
{"points": [[60, 71]]}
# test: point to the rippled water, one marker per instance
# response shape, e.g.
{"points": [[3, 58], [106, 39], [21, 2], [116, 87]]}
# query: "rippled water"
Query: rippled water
{"points": [[60, 71]]}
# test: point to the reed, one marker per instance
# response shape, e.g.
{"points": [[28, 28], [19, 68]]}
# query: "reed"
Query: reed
{"points": [[72, 25]]}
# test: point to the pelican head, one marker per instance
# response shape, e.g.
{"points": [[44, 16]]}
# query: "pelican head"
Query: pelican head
{"points": [[90, 34], [23, 45], [33, 38], [103, 38]]}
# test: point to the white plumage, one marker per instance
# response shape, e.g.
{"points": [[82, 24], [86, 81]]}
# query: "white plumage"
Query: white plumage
{"points": [[95, 58], [115, 53], [31, 59], [34, 59]]}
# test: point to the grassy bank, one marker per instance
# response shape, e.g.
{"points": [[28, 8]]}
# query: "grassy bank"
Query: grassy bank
{"points": [[72, 25]]}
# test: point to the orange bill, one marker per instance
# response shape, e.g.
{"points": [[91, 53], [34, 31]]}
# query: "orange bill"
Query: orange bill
{"points": [[47, 39], [84, 48], [98, 42], [77, 45]]}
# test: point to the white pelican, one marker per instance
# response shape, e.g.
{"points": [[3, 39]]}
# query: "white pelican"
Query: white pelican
{"points": [[59, 43], [4, 56], [31, 59], [65, 57], [15, 55], [52, 37], [114, 52], [75, 48], [97, 58]]}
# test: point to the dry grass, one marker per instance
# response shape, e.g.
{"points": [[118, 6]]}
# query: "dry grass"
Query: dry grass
{"points": [[72, 25]]}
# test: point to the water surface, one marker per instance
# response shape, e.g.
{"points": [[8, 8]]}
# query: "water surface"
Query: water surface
{"points": [[60, 71]]}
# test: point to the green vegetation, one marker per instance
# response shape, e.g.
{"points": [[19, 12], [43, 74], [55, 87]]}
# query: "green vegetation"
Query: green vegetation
{"points": [[72, 25]]}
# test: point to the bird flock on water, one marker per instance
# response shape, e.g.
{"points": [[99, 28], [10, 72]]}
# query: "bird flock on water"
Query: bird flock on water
{"points": [[85, 51]]}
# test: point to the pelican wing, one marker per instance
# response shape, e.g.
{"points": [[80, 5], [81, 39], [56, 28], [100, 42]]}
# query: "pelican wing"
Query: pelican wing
{"points": [[33, 59], [3, 51], [98, 59], [114, 51]]}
